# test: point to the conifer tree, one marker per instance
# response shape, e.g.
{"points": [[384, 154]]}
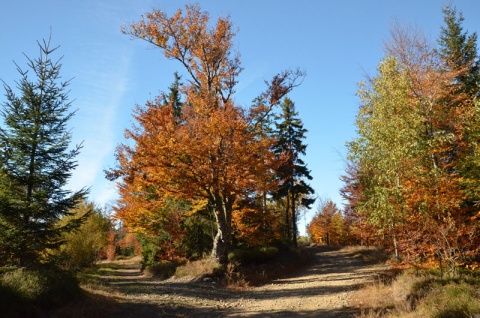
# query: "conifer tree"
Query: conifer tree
{"points": [[290, 134], [459, 49], [174, 98], [36, 162]]}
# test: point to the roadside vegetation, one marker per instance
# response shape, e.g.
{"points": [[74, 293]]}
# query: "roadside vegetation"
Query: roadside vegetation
{"points": [[420, 294]]}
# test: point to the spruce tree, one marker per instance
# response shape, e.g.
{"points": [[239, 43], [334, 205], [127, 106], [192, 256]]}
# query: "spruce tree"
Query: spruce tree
{"points": [[292, 174], [36, 162], [174, 98], [459, 50]]}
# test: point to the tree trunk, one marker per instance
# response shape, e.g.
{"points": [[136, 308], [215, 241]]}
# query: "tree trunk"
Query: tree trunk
{"points": [[220, 246], [395, 246], [223, 216], [287, 219], [294, 221]]}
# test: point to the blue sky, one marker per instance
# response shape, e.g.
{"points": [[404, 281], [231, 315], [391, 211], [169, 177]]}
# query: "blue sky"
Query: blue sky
{"points": [[336, 42]]}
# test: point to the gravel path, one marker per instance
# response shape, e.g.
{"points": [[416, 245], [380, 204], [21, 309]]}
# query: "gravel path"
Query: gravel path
{"points": [[322, 290]]}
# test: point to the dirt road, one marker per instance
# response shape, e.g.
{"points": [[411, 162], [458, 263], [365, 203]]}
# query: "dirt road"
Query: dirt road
{"points": [[322, 290]]}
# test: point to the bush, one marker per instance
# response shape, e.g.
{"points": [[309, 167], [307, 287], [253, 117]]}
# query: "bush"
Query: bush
{"points": [[455, 300], [162, 270], [410, 295], [83, 246], [12, 304], [202, 267], [149, 249], [41, 287], [249, 256]]}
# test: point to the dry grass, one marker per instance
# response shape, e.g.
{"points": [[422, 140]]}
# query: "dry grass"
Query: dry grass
{"points": [[203, 267], [374, 299], [410, 295], [369, 254], [386, 299]]}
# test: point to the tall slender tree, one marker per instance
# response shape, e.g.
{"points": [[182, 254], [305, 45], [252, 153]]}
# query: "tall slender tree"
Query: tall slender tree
{"points": [[459, 50], [36, 162], [290, 135]]}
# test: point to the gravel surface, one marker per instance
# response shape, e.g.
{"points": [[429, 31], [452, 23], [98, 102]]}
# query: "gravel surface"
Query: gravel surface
{"points": [[321, 290]]}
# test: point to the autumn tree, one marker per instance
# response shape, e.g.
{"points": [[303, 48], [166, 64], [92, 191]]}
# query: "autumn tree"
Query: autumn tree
{"points": [[382, 165], [327, 226], [210, 155], [293, 172], [358, 229], [36, 162], [257, 221], [166, 228], [416, 132], [83, 247]]}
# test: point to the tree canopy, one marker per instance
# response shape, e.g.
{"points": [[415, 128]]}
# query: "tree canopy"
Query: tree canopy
{"points": [[210, 153]]}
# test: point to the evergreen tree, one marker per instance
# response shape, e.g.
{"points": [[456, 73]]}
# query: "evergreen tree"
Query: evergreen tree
{"points": [[460, 51], [174, 98], [36, 162], [290, 134]]}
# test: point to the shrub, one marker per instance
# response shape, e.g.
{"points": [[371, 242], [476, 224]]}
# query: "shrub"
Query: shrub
{"points": [[149, 249], [455, 300], [44, 287], [249, 256], [12, 304], [163, 269], [423, 295], [83, 246], [202, 267]]}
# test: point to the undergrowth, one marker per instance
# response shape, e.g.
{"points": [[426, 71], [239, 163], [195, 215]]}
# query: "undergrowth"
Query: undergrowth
{"points": [[420, 295], [249, 267], [279, 263], [32, 292]]}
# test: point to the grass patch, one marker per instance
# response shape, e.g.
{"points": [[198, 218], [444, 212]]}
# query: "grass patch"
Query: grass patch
{"points": [[369, 254], [199, 268], [454, 299], [161, 270], [423, 295], [31, 292]]}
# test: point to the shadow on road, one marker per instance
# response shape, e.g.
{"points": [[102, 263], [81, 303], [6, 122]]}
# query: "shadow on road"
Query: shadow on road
{"points": [[144, 297]]}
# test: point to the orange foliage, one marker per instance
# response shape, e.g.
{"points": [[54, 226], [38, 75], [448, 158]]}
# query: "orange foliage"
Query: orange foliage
{"points": [[256, 227], [327, 226], [209, 152], [430, 214]]}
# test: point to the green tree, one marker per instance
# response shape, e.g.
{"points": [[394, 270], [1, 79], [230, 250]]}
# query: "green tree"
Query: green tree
{"points": [[174, 98], [387, 133], [36, 162], [290, 134], [460, 51]]}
